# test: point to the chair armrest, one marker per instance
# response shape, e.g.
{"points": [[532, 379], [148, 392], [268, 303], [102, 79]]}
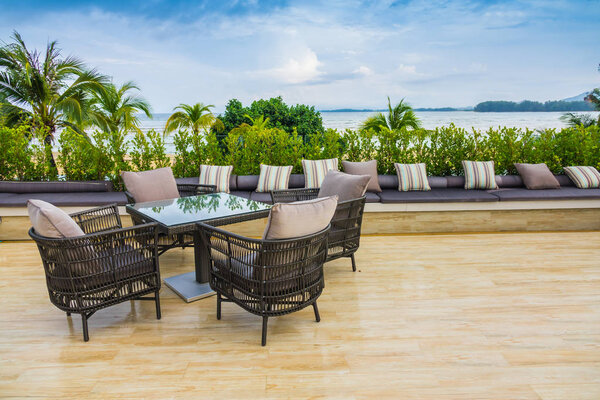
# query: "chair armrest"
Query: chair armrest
{"points": [[76, 257], [195, 189], [98, 219], [290, 195]]}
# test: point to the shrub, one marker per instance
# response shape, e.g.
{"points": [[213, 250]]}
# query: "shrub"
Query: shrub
{"points": [[24, 155]]}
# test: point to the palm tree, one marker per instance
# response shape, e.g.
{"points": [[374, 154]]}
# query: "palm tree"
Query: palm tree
{"points": [[194, 117], [573, 119], [112, 108], [49, 92], [400, 116]]}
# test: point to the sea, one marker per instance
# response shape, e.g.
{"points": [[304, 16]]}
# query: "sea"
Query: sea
{"points": [[429, 120]]}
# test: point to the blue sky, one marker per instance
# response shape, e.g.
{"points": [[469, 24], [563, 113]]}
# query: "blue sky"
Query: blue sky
{"points": [[329, 54]]}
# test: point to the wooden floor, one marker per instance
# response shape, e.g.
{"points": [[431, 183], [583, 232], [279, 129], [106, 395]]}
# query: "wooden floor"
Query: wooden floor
{"points": [[470, 316]]}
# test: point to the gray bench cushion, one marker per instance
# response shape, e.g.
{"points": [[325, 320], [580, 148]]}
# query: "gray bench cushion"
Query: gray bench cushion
{"points": [[264, 197], [564, 193], [66, 199], [241, 193], [55, 187], [436, 196], [391, 182]]}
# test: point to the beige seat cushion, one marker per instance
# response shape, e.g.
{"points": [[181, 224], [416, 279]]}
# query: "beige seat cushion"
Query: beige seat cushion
{"points": [[290, 220], [153, 185], [364, 168], [537, 176], [345, 186], [50, 221]]}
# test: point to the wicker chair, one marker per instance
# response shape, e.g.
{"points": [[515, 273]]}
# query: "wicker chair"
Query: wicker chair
{"points": [[168, 242], [107, 266], [268, 278], [344, 237]]}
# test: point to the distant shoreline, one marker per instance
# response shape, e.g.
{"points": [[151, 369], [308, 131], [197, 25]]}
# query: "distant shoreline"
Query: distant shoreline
{"points": [[444, 109]]}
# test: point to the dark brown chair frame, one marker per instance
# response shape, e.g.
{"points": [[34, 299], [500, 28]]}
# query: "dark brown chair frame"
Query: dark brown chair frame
{"points": [[107, 266], [268, 278], [344, 236], [182, 240]]}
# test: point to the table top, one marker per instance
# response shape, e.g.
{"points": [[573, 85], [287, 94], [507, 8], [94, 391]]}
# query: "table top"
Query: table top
{"points": [[190, 210]]}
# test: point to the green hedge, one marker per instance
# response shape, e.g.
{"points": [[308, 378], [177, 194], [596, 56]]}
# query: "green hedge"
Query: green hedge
{"points": [[103, 155]]}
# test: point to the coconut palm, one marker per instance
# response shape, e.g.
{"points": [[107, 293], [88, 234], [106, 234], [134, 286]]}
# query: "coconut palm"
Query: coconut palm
{"points": [[114, 108], [398, 117], [573, 119], [50, 92], [195, 117]]}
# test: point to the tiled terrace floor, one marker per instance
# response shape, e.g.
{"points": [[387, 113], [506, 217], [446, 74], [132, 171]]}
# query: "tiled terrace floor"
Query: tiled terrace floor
{"points": [[466, 316]]}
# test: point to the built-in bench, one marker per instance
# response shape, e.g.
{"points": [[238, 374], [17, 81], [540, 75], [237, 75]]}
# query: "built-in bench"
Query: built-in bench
{"points": [[446, 207]]}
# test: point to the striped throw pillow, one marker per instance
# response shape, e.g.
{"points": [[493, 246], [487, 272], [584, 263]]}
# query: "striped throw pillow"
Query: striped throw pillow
{"points": [[479, 175], [584, 177], [216, 175], [273, 178], [315, 171], [412, 177]]}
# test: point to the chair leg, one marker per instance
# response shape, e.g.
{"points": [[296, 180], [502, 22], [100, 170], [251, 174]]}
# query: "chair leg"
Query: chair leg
{"points": [[86, 336], [353, 263], [218, 306], [157, 302], [264, 330], [68, 314], [316, 309]]}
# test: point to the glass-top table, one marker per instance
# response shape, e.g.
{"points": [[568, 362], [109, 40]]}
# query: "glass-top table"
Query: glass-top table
{"points": [[181, 215]]}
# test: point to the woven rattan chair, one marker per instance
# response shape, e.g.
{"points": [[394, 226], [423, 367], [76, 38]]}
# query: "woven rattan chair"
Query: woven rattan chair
{"points": [[268, 278], [344, 236], [168, 242], [106, 266]]}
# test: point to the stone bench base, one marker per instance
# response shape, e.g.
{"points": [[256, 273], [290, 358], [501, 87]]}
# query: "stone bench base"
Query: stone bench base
{"points": [[560, 215]]}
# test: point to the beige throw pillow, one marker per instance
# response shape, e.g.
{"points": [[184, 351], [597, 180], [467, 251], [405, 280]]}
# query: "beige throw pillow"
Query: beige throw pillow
{"points": [[290, 220], [364, 168], [537, 176], [345, 186], [315, 171], [50, 221], [153, 185], [217, 175]]}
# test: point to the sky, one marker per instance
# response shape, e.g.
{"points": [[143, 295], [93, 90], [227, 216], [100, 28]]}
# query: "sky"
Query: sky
{"points": [[330, 54]]}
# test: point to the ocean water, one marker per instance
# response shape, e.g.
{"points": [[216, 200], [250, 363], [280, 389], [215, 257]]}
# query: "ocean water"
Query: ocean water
{"points": [[429, 120]]}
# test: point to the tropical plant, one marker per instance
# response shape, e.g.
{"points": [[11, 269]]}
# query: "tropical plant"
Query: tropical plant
{"points": [[114, 108], [573, 119], [49, 91], [195, 117], [400, 116]]}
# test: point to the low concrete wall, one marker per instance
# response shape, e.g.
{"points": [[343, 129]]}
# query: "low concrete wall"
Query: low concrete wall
{"points": [[577, 215]]}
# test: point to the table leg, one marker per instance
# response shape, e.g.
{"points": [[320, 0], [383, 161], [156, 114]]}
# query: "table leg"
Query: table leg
{"points": [[194, 285], [201, 259]]}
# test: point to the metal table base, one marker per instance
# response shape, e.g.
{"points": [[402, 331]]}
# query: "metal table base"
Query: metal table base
{"points": [[186, 287]]}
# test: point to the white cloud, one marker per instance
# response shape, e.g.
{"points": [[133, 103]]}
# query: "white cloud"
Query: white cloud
{"points": [[299, 69], [364, 70], [407, 69]]}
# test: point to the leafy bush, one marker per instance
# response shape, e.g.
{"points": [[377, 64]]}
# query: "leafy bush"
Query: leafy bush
{"points": [[105, 155], [303, 119], [443, 149], [25, 157]]}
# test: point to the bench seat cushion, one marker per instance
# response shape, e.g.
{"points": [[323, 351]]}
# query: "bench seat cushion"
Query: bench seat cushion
{"points": [[66, 199], [241, 193], [564, 193], [451, 195]]}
